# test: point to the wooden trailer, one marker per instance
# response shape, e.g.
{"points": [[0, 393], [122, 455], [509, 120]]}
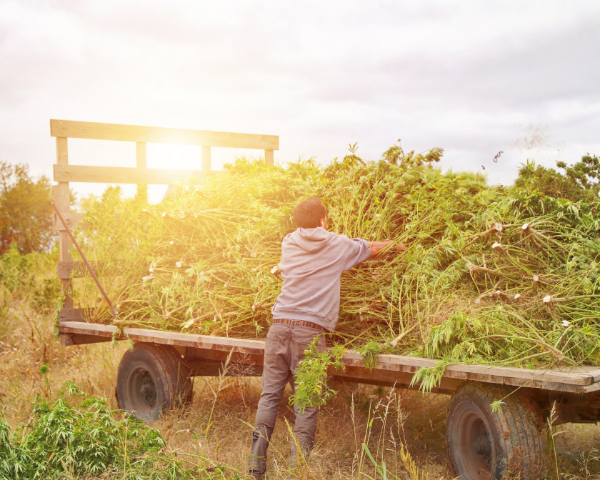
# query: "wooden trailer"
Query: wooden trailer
{"points": [[482, 444]]}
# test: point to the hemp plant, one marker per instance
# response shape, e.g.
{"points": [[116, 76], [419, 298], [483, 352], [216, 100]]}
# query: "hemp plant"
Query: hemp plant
{"points": [[311, 376], [490, 275]]}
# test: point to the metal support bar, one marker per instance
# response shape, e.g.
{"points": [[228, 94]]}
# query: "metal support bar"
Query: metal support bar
{"points": [[85, 261]]}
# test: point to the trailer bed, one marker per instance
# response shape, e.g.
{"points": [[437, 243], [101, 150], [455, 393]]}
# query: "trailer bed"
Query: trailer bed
{"points": [[390, 369]]}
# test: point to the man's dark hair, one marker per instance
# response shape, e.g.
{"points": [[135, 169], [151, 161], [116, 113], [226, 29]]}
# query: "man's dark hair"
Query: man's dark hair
{"points": [[308, 212]]}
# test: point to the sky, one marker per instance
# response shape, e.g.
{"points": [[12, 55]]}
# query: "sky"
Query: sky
{"points": [[472, 77]]}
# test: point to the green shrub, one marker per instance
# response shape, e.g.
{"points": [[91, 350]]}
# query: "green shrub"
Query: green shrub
{"points": [[75, 434], [578, 182], [25, 210], [29, 276]]}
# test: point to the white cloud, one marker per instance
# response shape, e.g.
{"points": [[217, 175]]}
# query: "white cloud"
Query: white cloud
{"points": [[461, 75]]}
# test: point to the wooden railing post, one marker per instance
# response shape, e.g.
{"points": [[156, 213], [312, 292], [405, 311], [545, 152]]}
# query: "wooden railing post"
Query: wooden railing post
{"points": [[140, 162], [269, 157], [206, 159], [63, 200]]}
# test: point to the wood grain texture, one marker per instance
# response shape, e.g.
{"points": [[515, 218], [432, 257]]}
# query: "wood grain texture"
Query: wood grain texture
{"points": [[65, 268], [62, 200], [390, 368], [72, 315], [128, 175], [140, 162], [73, 220], [169, 338], [389, 379], [72, 340], [269, 157], [134, 133], [206, 159]]}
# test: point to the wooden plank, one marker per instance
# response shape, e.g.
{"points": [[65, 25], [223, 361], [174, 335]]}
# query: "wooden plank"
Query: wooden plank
{"points": [[64, 269], [62, 200], [72, 315], [269, 157], [206, 159], [146, 176], [383, 383], [594, 387], [525, 374], [240, 357], [588, 369], [134, 133], [140, 162], [388, 367], [212, 368], [389, 379], [73, 220], [77, 269], [575, 378], [56, 223], [67, 340], [168, 338]]}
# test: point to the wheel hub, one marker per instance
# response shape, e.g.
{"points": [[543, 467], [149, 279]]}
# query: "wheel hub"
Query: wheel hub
{"points": [[142, 391], [483, 444], [148, 390], [476, 445]]}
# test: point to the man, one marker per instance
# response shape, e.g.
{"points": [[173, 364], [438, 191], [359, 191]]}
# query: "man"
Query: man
{"points": [[312, 262]]}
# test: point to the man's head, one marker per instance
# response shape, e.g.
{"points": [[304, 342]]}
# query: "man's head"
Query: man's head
{"points": [[310, 213]]}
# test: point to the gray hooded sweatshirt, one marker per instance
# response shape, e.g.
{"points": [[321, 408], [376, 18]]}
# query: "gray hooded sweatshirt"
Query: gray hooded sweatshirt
{"points": [[312, 262]]}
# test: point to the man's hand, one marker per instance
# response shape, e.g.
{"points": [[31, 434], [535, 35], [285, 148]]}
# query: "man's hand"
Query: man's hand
{"points": [[377, 247]]}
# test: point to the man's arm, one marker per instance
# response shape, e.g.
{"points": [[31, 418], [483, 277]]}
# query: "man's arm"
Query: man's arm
{"points": [[360, 250], [377, 247]]}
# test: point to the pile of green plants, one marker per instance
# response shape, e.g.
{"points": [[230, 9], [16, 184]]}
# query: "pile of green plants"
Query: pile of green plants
{"points": [[491, 274]]}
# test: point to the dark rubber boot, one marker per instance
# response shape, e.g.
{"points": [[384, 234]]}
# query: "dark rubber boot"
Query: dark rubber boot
{"points": [[257, 465], [299, 459]]}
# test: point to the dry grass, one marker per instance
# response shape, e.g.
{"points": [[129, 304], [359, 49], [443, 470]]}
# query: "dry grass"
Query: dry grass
{"points": [[385, 419]]}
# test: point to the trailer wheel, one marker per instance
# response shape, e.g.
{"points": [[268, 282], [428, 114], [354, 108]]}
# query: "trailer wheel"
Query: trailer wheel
{"points": [[152, 379], [484, 445]]}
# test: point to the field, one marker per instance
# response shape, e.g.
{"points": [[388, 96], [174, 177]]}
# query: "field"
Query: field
{"points": [[211, 437], [506, 276]]}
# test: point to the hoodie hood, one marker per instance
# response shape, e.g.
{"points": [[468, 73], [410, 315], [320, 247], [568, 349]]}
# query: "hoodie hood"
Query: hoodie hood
{"points": [[311, 239]]}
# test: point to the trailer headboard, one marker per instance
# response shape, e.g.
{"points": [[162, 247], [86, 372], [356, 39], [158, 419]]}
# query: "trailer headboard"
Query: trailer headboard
{"points": [[139, 175]]}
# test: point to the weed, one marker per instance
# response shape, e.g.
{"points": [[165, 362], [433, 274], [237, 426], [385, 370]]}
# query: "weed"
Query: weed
{"points": [[429, 378], [78, 434], [369, 352], [312, 389]]}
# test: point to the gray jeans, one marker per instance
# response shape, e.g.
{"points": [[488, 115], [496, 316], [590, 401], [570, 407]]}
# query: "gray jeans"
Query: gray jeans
{"points": [[284, 349]]}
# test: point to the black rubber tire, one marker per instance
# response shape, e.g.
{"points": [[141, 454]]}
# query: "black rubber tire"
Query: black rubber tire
{"points": [[483, 445], [151, 380]]}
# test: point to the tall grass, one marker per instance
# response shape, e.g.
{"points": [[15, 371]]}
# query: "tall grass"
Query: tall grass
{"points": [[58, 430]]}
